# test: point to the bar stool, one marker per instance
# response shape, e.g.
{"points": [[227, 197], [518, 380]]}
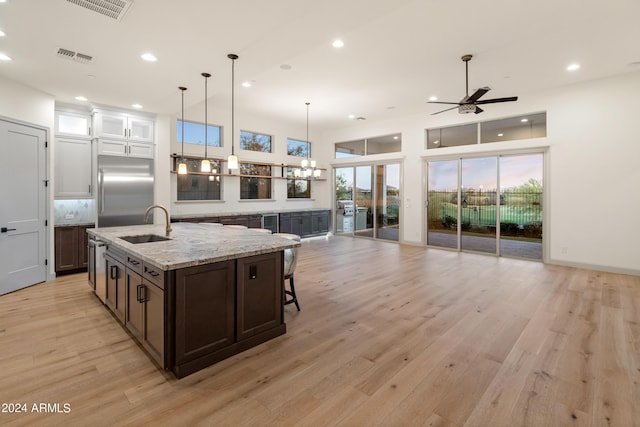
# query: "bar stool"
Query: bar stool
{"points": [[290, 259]]}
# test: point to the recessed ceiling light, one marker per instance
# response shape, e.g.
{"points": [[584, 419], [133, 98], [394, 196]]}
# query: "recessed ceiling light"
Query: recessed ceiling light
{"points": [[573, 67], [501, 134], [81, 98], [351, 116], [2, 33], [136, 106], [433, 98], [4, 57], [436, 142], [246, 84], [3, 1], [396, 137], [524, 120], [337, 43], [149, 57]]}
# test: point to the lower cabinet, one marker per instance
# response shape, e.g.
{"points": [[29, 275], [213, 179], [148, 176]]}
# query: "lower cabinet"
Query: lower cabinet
{"points": [[145, 310], [224, 308], [305, 223], [116, 277], [137, 300], [71, 248]]}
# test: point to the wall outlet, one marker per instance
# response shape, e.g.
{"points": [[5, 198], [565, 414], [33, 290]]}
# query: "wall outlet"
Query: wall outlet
{"points": [[564, 250]]}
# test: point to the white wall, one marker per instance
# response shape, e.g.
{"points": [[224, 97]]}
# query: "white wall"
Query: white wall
{"points": [[593, 144], [25, 104]]}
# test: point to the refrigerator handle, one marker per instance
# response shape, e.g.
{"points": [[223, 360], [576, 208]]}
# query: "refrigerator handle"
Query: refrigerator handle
{"points": [[101, 186]]}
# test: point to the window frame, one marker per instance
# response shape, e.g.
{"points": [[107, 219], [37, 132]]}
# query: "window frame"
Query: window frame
{"points": [[292, 182], [306, 151], [246, 180]]}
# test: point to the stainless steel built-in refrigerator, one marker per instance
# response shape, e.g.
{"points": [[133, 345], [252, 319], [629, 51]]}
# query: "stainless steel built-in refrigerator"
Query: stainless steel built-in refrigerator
{"points": [[125, 190]]}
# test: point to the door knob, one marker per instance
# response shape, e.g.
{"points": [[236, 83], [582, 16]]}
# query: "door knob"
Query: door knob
{"points": [[5, 229]]}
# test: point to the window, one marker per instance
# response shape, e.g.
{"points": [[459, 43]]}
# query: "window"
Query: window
{"points": [[298, 148], [258, 187], [194, 133], [199, 186], [509, 129], [255, 142], [297, 188], [377, 145]]}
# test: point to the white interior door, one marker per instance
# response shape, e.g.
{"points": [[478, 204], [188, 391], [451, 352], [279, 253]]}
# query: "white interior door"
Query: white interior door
{"points": [[22, 206]]}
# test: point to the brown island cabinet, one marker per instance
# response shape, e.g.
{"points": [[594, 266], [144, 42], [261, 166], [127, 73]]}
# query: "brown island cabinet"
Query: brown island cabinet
{"points": [[207, 293]]}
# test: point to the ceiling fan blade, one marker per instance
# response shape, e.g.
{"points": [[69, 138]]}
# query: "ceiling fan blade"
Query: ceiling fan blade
{"points": [[442, 111], [477, 94], [478, 110], [442, 102], [494, 100]]}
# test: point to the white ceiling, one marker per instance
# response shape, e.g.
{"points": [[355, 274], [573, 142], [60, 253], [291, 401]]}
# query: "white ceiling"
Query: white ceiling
{"points": [[397, 53]]}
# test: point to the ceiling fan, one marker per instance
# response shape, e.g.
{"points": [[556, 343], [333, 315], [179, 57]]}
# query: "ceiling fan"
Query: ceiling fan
{"points": [[469, 104]]}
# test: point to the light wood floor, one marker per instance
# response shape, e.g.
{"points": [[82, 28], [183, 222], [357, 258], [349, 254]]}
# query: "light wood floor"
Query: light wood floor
{"points": [[388, 335]]}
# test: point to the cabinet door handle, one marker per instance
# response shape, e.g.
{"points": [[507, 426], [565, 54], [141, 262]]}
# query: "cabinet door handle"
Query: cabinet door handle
{"points": [[139, 293], [113, 272]]}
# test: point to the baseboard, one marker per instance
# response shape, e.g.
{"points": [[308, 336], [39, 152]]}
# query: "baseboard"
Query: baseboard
{"points": [[606, 268]]}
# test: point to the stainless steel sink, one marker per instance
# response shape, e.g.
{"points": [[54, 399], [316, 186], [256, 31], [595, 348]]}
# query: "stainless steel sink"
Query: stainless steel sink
{"points": [[145, 238]]}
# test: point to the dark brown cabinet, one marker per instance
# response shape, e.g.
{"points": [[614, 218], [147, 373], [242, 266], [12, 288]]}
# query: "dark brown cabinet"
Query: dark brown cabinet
{"points": [[71, 248], [224, 308], [205, 307], [116, 279], [145, 307]]}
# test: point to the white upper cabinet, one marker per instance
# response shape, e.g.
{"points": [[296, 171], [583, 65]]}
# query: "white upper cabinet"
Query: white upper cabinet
{"points": [[123, 126], [72, 168], [73, 124]]}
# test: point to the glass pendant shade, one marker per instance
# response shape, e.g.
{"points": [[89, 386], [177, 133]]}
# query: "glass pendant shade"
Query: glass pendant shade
{"points": [[313, 163], [205, 166], [316, 173], [232, 162], [182, 169], [304, 163]]}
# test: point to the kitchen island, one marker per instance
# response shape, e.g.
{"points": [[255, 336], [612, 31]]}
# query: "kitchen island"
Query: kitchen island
{"points": [[204, 294]]}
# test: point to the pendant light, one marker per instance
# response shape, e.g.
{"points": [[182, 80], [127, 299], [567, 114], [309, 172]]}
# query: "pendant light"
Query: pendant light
{"points": [[182, 166], [205, 165], [232, 160]]}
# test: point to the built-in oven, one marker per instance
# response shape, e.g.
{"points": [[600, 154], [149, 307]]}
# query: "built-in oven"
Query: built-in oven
{"points": [[97, 267]]}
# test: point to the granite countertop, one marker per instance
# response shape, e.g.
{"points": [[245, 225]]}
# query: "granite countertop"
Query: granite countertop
{"points": [[192, 244]]}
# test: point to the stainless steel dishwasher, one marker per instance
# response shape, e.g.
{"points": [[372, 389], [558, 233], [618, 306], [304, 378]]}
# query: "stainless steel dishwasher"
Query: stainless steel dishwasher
{"points": [[97, 267]]}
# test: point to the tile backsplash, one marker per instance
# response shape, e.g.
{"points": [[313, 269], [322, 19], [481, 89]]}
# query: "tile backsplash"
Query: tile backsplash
{"points": [[69, 211]]}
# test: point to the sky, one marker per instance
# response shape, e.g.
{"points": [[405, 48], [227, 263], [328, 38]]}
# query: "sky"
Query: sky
{"points": [[482, 172]]}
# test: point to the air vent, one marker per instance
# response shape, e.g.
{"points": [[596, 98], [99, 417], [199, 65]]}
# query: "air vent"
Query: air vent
{"points": [[114, 9], [75, 56]]}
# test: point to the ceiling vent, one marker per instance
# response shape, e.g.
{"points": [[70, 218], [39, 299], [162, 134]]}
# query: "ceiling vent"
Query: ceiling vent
{"points": [[75, 56], [114, 9]]}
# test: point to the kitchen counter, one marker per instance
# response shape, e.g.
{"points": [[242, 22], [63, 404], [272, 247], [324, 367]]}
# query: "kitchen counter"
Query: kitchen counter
{"points": [[208, 293], [192, 244]]}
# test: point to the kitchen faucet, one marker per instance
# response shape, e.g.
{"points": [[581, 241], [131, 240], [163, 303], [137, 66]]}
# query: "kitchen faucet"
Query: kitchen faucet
{"points": [[166, 216]]}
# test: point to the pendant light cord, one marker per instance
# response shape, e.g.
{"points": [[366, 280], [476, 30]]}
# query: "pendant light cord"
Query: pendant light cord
{"points": [[206, 126], [182, 120], [233, 97], [308, 145]]}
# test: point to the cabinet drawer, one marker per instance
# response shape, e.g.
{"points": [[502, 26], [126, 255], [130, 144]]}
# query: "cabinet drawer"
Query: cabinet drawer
{"points": [[134, 264], [153, 274]]}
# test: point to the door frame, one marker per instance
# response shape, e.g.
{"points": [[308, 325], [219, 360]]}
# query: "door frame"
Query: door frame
{"points": [[48, 203], [544, 151]]}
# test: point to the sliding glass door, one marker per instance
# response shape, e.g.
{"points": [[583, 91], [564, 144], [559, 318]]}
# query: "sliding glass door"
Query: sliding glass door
{"points": [[489, 205], [478, 189], [368, 201]]}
